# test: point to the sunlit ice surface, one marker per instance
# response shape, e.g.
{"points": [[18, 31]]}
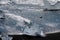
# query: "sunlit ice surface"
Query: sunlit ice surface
{"points": [[28, 17]]}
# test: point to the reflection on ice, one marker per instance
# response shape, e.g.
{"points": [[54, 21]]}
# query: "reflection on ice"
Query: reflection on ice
{"points": [[52, 24]]}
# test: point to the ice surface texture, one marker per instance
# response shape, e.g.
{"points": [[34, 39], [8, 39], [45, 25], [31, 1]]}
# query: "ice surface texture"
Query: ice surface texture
{"points": [[28, 17]]}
